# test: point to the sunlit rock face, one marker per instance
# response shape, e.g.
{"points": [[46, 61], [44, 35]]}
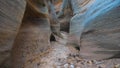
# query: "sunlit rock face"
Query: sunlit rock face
{"points": [[100, 39], [10, 21]]}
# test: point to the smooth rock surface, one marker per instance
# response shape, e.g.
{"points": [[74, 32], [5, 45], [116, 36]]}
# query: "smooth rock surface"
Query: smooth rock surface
{"points": [[32, 41], [101, 38], [11, 14]]}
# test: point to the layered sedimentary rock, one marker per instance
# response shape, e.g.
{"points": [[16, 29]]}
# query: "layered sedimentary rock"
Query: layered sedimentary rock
{"points": [[101, 38], [28, 22], [11, 14], [90, 12], [32, 40]]}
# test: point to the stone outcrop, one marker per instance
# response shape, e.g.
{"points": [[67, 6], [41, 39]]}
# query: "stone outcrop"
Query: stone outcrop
{"points": [[32, 39], [94, 25], [101, 38], [11, 14], [26, 24], [25, 31]]}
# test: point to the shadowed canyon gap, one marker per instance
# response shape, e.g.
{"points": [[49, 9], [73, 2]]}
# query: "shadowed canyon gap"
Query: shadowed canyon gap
{"points": [[25, 29]]}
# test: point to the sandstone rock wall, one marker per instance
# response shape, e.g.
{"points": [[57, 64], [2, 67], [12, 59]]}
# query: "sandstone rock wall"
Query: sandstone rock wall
{"points": [[11, 14], [32, 41], [101, 37], [24, 23], [99, 22]]}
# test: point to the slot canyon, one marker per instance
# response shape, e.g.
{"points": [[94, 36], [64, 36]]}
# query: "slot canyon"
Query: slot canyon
{"points": [[59, 33]]}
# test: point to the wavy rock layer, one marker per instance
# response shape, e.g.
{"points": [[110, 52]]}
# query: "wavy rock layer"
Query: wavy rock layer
{"points": [[98, 22], [101, 38], [10, 21], [27, 21]]}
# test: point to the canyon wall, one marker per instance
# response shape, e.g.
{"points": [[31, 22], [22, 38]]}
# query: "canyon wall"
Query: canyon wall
{"points": [[11, 14], [101, 37]]}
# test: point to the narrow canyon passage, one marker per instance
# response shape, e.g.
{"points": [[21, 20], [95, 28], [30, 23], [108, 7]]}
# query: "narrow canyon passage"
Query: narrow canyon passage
{"points": [[62, 55], [60, 34]]}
